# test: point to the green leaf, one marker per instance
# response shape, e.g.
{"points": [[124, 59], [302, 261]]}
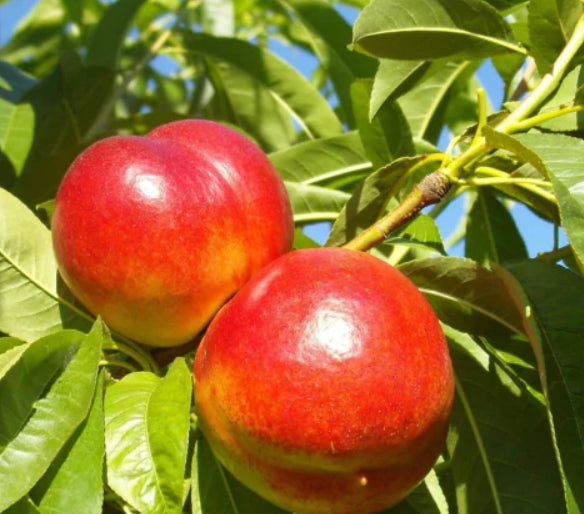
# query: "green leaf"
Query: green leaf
{"points": [[424, 105], [329, 34], [422, 232], [28, 377], [29, 304], [110, 33], [253, 106], [66, 104], [491, 233], [393, 79], [321, 161], [215, 491], [385, 138], [55, 418], [146, 438], [78, 467], [301, 99], [563, 157], [369, 200], [427, 498], [556, 296], [465, 295], [551, 23], [432, 29], [37, 38], [315, 203], [499, 441], [23, 506], [16, 122]]}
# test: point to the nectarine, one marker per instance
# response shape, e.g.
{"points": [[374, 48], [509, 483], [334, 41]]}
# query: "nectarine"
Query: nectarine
{"points": [[155, 233], [325, 384]]}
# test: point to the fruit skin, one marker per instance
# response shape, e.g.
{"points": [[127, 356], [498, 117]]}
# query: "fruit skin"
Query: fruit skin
{"points": [[155, 233], [325, 384]]}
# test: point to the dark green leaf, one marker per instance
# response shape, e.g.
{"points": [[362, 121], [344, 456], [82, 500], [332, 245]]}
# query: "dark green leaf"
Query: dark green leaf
{"points": [[215, 491], [427, 498], [322, 160], [551, 23], [110, 33], [367, 203], [499, 441], [146, 437], [465, 295], [491, 233], [78, 467], [301, 100], [424, 105], [11, 349], [23, 506], [393, 79], [55, 418], [385, 138], [432, 29], [66, 104], [29, 304], [556, 296]]}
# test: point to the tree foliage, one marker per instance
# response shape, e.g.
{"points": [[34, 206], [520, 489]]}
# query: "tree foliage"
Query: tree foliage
{"points": [[390, 96]]}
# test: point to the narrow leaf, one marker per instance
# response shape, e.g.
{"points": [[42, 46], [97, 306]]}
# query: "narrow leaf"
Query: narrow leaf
{"points": [[146, 437], [55, 418], [78, 467], [11, 349], [431, 29]]}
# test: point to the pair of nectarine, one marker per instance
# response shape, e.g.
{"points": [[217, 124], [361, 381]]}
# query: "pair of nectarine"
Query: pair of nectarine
{"points": [[325, 383]]}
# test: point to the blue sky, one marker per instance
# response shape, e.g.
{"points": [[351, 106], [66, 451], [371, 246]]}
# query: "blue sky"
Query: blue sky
{"points": [[538, 234]]}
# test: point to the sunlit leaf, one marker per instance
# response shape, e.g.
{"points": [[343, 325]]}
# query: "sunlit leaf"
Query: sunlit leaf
{"points": [[422, 232], [78, 467], [146, 437], [55, 418], [30, 306]]}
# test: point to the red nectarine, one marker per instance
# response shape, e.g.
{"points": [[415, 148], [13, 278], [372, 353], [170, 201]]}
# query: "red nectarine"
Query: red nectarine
{"points": [[325, 384], [155, 233]]}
